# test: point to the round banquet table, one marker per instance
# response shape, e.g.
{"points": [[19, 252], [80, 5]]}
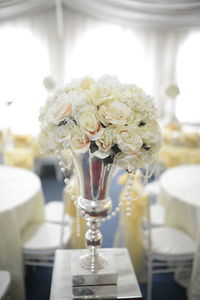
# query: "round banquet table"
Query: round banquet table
{"points": [[21, 203], [180, 194]]}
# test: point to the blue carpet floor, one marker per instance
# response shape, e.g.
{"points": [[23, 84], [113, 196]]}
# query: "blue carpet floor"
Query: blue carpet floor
{"points": [[38, 279]]}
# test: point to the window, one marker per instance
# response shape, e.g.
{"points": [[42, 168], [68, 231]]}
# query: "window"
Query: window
{"points": [[188, 76], [23, 65]]}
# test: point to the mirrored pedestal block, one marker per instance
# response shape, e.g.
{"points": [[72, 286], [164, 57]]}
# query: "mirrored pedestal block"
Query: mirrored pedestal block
{"points": [[126, 288]]}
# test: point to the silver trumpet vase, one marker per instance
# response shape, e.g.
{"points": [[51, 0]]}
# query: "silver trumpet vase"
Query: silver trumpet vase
{"points": [[94, 203]]}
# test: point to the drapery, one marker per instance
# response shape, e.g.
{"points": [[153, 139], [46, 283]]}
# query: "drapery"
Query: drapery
{"points": [[69, 42], [144, 13]]}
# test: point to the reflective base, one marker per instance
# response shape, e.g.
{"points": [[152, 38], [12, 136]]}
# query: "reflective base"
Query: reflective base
{"points": [[62, 280], [93, 262], [82, 275]]}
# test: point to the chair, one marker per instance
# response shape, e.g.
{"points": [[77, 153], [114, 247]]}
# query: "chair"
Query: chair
{"points": [[48, 160], [157, 210], [5, 281], [39, 242], [55, 212], [166, 249]]}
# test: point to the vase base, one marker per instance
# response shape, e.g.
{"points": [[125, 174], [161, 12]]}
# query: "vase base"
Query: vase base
{"points": [[93, 262], [83, 275]]}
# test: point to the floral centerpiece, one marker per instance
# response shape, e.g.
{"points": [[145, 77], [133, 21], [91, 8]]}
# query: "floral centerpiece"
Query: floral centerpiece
{"points": [[117, 122], [102, 123]]}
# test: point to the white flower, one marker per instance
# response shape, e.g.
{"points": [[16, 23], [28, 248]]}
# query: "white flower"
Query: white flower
{"points": [[78, 99], [60, 109], [100, 94], [119, 119], [128, 139], [86, 82], [60, 135], [107, 139], [89, 122], [79, 142], [79, 84], [129, 162], [102, 154], [115, 113]]}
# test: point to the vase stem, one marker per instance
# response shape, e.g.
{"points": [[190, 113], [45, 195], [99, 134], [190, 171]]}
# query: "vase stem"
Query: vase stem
{"points": [[93, 239]]}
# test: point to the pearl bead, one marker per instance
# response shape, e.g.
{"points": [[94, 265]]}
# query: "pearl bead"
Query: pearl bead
{"points": [[62, 170], [117, 209], [128, 208], [128, 214], [108, 217], [66, 180], [113, 214], [103, 219]]}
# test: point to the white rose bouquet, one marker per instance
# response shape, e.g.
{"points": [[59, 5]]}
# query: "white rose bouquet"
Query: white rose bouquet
{"points": [[116, 122]]}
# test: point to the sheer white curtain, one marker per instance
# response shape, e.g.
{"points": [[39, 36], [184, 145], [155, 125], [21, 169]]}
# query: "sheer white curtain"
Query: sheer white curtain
{"points": [[30, 50], [188, 76], [36, 45], [144, 57]]}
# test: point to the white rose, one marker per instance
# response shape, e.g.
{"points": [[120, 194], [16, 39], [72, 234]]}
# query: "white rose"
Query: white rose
{"points": [[78, 99], [133, 89], [129, 162], [60, 134], [61, 108], [89, 122], [79, 142], [99, 94], [86, 82], [78, 84], [128, 139], [115, 113], [106, 141], [150, 131], [102, 154]]}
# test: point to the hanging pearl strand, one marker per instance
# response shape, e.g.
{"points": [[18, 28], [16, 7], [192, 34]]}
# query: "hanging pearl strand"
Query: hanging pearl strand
{"points": [[128, 193]]}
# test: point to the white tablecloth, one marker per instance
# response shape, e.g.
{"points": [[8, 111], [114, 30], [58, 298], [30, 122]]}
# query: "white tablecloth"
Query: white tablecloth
{"points": [[180, 193], [21, 203]]}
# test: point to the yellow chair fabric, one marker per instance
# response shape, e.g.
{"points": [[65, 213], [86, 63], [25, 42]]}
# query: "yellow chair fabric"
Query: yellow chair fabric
{"points": [[77, 242]]}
